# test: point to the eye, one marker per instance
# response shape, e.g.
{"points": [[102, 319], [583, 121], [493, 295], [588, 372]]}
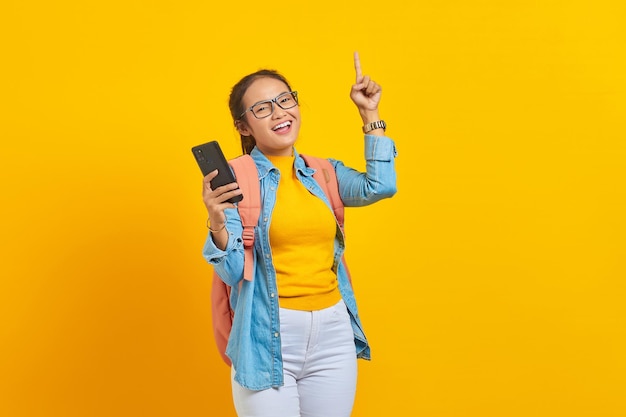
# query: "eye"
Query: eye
{"points": [[261, 107], [285, 99]]}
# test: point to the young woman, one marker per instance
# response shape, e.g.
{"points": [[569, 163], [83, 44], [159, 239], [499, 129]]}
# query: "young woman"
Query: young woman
{"points": [[296, 332]]}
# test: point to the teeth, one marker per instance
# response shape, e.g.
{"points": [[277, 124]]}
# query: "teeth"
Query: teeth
{"points": [[285, 124]]}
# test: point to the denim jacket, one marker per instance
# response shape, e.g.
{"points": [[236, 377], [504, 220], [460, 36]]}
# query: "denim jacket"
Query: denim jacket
{"points": [[254, 344]]}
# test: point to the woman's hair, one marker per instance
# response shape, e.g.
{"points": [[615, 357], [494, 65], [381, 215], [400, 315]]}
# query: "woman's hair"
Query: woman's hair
{"points": [[235, 102]]}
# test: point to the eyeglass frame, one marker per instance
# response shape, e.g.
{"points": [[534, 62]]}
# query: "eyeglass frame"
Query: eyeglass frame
{"points": [[272, 102]]}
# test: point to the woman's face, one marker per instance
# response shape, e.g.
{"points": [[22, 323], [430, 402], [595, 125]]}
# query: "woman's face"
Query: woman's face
{"points": [[275, 134]]}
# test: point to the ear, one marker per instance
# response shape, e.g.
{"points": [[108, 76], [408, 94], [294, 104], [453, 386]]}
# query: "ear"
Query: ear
{"points": [[242, 128]]}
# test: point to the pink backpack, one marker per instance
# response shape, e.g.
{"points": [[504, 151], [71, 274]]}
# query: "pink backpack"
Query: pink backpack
{"points": [[250, 210]]}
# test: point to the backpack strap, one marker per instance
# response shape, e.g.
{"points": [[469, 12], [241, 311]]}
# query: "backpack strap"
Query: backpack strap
{"points": [[327, 179], [249, 208]]}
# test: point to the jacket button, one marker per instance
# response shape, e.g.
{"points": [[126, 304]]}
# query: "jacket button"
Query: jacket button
{"points": [[276, 334]]}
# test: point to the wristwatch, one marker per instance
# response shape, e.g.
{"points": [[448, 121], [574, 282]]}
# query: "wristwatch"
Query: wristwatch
{"points": [[379, 124]]}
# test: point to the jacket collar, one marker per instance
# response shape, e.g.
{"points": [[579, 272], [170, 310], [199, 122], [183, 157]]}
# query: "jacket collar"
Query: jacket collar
{"points": [[264, 166]]}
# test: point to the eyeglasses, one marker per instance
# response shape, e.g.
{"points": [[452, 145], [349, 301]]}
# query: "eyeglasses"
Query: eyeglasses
{"points": [[266, 108]]}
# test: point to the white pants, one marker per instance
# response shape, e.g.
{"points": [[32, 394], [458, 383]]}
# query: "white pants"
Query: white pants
{"points": [[319, 367]]}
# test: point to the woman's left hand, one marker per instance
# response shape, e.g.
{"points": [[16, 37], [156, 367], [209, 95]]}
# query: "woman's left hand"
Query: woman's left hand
{"points": [[365, 92]]}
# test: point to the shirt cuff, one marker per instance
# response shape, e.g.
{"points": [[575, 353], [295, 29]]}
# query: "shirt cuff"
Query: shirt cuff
{"points": [[379, 148]]}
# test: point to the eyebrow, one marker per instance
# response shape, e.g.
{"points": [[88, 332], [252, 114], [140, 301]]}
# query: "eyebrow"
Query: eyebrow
{"points": [[269, 99]]}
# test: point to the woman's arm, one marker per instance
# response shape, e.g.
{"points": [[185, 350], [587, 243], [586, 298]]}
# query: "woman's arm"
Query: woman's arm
{"points": [[224, 245], [379, 181]]}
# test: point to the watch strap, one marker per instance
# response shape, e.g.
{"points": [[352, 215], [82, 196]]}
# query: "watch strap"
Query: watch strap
{"points": [[378, 124]]}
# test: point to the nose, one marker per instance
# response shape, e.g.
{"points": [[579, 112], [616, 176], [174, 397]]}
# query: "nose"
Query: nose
{"points": [[278, 112]]}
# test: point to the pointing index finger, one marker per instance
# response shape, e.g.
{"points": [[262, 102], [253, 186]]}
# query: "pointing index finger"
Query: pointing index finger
{"points": [[357, 67]]}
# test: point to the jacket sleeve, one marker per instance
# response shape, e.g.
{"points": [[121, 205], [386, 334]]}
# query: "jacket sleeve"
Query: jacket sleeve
{"points": [[228, 263], [377, 182]]}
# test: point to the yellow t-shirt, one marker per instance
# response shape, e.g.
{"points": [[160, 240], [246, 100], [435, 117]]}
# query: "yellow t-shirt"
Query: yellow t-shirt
{"points": [[302, 236]]}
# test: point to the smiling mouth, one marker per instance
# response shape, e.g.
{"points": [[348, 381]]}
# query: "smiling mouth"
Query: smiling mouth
{"points": [[282, 125]]}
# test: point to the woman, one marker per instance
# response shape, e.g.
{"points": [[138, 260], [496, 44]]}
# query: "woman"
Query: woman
{"points": [[296, 333]]}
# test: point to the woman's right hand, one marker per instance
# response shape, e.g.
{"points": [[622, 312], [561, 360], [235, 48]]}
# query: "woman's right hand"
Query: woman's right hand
{"points": [[216, 201], [365, 93]]}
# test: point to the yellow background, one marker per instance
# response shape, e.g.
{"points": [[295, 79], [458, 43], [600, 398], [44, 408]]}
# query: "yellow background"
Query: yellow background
{"points": [[491, 285]]}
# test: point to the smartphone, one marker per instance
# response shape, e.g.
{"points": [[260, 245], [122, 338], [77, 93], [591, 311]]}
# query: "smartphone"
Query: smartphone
{"points": [[210, 157]]}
